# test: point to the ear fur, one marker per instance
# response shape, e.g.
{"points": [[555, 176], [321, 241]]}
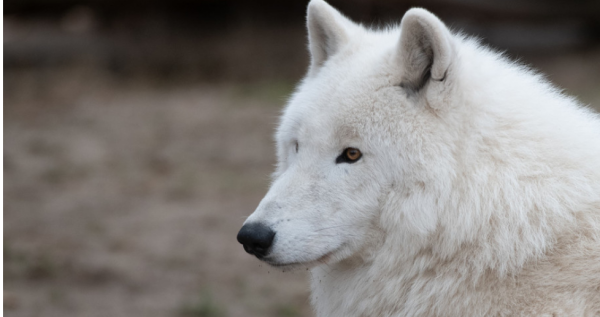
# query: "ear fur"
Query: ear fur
{"points": [[327, 32], [425, 50]]}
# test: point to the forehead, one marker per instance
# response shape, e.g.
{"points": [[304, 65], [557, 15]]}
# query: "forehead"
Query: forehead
{"points": [[347, 93]]}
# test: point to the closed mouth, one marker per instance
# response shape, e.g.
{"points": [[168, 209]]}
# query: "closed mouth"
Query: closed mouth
{"points": [[321, 260]]}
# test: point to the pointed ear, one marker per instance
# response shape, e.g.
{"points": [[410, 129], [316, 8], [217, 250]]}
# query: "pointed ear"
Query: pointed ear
{"points": [[327, 32], [425, 50]]}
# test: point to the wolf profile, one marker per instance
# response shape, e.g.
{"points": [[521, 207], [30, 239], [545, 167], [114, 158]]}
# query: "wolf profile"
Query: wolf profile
{"points": [[422, 174]]}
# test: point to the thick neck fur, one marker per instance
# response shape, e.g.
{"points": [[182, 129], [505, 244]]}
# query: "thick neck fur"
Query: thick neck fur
{"points": [[523, 194]]}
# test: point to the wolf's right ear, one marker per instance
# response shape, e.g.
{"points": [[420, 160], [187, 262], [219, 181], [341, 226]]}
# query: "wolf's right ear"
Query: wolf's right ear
{"points": [[327, 32], [425, 51]]}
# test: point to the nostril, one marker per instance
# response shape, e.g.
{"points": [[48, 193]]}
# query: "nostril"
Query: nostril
{"points": [[256, 238]]}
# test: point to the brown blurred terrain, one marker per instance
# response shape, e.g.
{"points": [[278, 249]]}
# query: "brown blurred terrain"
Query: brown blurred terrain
{"points": [[138, 137]]}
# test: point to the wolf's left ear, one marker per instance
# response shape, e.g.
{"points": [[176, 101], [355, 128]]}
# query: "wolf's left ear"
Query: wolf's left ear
{"points": [[327, 32], [425, 50]]}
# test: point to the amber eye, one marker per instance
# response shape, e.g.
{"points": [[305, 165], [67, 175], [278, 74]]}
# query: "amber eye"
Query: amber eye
{"points": [[352, 154], [349, 155]]}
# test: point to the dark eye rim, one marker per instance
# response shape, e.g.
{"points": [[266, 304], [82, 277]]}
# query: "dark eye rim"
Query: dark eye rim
{"points": [[343, 158]]}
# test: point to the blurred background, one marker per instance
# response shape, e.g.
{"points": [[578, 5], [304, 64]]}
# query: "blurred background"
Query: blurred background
{"points": [[137, 138]]}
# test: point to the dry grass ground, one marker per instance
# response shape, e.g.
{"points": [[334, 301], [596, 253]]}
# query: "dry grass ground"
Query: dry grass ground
{"points": [[124, 197]]}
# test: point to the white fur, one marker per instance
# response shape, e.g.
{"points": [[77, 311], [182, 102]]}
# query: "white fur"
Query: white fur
{"points": [[478, 192]]}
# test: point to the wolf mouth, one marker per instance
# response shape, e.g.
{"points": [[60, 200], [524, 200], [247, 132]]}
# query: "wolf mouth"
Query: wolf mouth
{"points": [[321, 260]]}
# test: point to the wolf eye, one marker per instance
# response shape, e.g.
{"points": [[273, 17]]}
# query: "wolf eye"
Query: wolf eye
{"points": [[296, 144], [349, 155]]}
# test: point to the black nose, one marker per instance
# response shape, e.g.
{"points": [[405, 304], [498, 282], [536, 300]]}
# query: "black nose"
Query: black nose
{"points": [[256, 238]]}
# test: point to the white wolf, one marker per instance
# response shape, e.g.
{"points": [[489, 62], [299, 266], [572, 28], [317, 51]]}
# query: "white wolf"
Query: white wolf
{"points": [[421, 174]]}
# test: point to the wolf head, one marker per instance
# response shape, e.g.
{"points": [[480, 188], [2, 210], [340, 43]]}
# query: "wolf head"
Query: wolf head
{"points": [[354, 132], [415, 138]]}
